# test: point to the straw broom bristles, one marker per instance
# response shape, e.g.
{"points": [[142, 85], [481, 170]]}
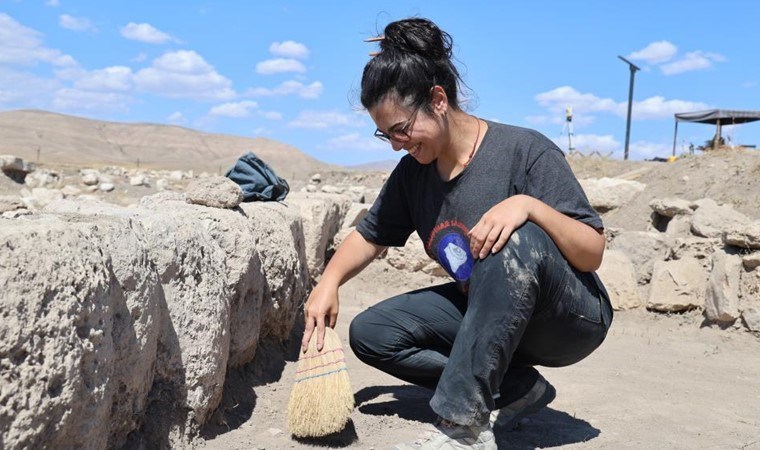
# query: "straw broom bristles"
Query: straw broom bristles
{"points": [[321, 399]]}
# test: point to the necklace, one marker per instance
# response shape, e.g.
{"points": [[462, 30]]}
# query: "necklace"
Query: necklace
{"points": [[474, 145]]}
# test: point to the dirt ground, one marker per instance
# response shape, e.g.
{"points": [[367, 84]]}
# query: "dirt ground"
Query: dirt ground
{"points": [[658, 382]]}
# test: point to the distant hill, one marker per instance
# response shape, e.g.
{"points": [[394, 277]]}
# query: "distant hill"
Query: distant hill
{"points": [[63, 139]]}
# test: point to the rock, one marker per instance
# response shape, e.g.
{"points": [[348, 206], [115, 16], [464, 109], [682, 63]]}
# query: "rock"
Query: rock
{"points": [[322, 217], [356, 193], [310, 188], [90, 178], [434, 269], [712, 221], [606, 194], [751, 318], [15, 214], [315, 179], [679, 226], [176, 175], [722, 295], [643, 248], [670, 207], [329, 189], [70, 191], [42, 178], [39, 197], [698, 248], [355, 214], [677, 286], [411, 257], [106, 187], [11, 163], [79, 330], [15, 168], [751, 261], [139, 180], [216, 192], [10, 203], [744, 235], [370, 195], [162, 184], [618, 275]]}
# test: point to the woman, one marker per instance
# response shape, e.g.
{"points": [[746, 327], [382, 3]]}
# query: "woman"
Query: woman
{"points": [[499, 208]]}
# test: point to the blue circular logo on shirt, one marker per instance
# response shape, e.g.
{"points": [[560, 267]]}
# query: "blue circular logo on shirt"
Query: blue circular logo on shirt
{"points": [[454, 255]]}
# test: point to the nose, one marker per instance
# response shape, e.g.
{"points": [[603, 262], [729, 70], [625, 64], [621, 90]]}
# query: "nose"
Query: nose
{"points": [[396, 145]]}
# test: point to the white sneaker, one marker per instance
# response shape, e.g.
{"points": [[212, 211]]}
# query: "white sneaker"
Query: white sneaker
{"points": [[450, 436], [541, 394]]}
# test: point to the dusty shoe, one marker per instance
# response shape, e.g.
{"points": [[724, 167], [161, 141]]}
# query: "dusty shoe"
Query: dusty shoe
{"points": [[450, 436], [541, 394]]}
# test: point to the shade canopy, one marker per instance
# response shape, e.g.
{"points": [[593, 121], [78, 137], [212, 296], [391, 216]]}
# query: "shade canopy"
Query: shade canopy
{"points": [[717, 117]]}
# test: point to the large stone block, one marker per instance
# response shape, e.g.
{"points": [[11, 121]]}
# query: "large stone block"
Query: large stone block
{"points": [[677, 286], [722, 295], [618, 275], [643, 248]]}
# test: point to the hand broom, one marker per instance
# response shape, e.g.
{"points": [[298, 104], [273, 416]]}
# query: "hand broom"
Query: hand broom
{"points": [[321, 399]]}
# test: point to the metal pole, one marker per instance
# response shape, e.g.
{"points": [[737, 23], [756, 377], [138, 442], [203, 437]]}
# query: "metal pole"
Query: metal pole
{"points": [[633, 69], [675, 135]]}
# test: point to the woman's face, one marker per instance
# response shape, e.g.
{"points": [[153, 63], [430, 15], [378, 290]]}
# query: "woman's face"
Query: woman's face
{"points": [[414, 130]]}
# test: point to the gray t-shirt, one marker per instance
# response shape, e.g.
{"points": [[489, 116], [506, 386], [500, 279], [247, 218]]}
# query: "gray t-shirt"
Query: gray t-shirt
{"points": [[510, 161]]}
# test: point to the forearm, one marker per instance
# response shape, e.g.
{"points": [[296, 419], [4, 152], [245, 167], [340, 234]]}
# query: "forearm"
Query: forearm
{"points": [[580, 244], [353, 255]]}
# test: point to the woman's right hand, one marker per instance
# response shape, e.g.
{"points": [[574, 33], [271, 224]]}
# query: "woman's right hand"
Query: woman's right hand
{"points": [[321, 309]]}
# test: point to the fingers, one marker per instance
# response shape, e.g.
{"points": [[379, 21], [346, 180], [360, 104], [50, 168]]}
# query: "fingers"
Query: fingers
{"points": [[491, 239], [307, 332], [478, 235], [320, 333]]}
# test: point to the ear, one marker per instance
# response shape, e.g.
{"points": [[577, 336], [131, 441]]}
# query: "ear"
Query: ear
{"points": [[439, 100]]}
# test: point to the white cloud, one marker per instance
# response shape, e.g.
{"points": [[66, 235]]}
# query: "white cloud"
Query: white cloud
{"points": [[587, 143], [583, 103], [749, 84], [25, 89], [184, 74], [75, 23], [53, 3], [311, 91], [698, 60], [234, 110], [176, 118], [271, 115], [20, 45], [279, 65], [355, 141], [659, 108], [289, 49], [140, 57], [325, 119], [645, 149], [78, 100], [110, 79], [655, 53], [144, 32]]}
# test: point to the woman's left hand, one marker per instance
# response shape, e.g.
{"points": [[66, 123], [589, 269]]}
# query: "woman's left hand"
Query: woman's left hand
{"points": [[493, 230]]}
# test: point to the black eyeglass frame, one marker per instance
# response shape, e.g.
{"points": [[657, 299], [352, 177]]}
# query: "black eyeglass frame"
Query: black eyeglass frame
{"points": [[400, 135]]}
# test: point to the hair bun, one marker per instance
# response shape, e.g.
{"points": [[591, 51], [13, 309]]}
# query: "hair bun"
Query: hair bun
{"points": [[417, 36]]}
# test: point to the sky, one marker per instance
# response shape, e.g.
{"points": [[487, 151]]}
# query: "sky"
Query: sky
{"points": [[291, 70]]}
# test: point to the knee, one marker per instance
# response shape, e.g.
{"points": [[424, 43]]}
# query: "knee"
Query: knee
{"points": [[364, 337], [527, 244]]}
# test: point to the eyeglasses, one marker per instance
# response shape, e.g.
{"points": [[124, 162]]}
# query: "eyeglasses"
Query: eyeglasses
{"points": [[400, 134]]}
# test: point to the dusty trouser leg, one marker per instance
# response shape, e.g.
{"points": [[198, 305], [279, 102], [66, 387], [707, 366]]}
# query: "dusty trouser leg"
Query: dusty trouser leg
{"points": [[410, 336], [523, 290]]}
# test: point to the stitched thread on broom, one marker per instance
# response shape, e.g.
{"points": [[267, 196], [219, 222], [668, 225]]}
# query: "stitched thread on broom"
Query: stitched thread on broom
{"points": [[339, 349], [321, 365], [320, 375]]}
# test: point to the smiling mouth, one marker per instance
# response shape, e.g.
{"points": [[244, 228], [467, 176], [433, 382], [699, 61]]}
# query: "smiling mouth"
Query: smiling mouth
{"points": [[414, 150]]}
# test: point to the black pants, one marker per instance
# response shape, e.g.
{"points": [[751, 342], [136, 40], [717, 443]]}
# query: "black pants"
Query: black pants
{"points": [[526, 306]]}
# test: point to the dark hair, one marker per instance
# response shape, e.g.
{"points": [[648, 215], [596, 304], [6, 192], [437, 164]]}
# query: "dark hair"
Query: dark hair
{"points": [[415, 55]]}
